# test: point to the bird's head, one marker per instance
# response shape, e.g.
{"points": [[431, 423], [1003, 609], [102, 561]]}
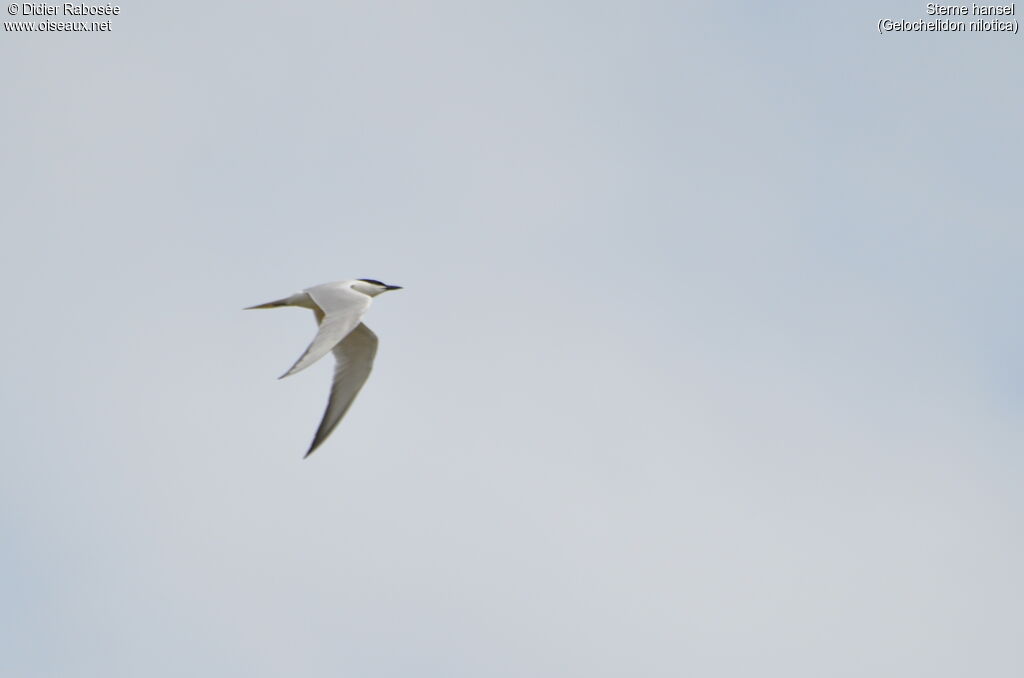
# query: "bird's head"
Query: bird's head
{"points": [[371, 287]]}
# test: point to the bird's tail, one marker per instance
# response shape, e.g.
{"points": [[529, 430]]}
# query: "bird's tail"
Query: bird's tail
{"points": [[270, 304]]}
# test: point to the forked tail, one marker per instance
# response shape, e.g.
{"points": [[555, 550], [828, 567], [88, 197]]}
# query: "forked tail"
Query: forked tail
{"points": [[270, 304]]}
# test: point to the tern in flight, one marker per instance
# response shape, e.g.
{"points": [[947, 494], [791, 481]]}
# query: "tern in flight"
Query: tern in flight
{"points": [[339, 308]]}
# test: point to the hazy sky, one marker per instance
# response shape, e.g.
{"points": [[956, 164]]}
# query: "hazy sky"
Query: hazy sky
{"points": [[708, 362]]}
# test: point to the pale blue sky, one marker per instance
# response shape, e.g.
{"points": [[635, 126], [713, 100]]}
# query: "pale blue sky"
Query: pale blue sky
{"points": [[708, 361]]}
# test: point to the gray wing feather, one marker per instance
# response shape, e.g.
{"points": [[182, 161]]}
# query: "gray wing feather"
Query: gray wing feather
{"points": [[353, 362], [341, 309]]}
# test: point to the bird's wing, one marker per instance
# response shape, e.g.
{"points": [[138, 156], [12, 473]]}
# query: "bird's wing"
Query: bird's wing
{"points": [[353, 362], [342, 310]]}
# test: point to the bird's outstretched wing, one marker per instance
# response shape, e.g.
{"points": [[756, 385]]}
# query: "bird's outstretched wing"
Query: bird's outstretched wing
{"points": [[353, 362], [342, 310]]}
